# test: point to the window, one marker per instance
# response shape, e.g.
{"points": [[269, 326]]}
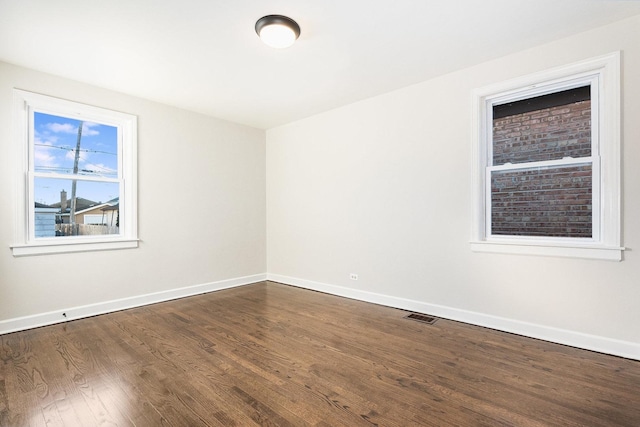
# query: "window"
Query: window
{"points": [[547, 163], [77, 177]]}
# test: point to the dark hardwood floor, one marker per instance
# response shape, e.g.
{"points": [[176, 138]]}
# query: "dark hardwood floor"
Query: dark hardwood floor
{"points": [[270, 354]]}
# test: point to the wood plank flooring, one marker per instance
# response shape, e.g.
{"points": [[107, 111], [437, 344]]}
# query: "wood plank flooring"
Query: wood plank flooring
{"points": [[274, 355]]}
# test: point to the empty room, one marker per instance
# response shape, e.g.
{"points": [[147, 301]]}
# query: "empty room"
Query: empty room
{"points": [[320, 213]]}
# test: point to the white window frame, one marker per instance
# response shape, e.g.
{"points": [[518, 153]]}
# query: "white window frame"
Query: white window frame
{"points": [[25, 104], [603, 76]]}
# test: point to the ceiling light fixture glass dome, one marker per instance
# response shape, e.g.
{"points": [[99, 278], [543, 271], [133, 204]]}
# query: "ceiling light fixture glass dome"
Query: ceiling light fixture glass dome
{"points": [[277, 31]]}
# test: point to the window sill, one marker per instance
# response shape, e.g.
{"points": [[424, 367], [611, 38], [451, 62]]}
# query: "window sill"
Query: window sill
{"points": [[606, 253], [70, 247]]}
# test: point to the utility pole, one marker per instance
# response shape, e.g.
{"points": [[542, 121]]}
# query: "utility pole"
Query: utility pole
{"points": [[72, 214]]}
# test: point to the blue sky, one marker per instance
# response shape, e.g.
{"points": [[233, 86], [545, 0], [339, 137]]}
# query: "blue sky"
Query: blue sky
{"points": [[55, 140]]}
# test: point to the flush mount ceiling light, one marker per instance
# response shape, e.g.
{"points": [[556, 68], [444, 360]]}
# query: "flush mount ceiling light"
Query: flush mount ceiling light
{"points": [[277, 31]]}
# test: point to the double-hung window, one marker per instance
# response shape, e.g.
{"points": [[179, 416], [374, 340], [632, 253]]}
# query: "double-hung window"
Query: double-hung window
{"points": [[547, 163], [76, 176]]}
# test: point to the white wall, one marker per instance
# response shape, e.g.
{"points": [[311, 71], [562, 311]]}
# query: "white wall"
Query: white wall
{"points": [[381, 188], [201, 213]]}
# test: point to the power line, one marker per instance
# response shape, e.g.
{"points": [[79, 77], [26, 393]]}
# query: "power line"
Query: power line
{"points": [[86, 150], [68, 170]]}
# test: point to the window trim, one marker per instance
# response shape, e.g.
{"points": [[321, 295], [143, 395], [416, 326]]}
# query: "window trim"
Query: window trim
{"points": [[25, 241], [605, 72]]}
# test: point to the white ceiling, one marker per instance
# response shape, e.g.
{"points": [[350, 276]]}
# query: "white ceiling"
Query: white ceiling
{"points": [[204, 56]]}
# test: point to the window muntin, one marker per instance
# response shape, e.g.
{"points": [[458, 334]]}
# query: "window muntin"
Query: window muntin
{"points": [[76, 160]]}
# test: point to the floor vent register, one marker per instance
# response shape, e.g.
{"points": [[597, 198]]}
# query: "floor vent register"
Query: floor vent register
{"points": [[422, 318]]}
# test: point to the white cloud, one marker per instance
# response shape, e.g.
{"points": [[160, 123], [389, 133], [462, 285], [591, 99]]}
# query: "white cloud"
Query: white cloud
{"points": [[61, 127], [87, 128], [71, 155], [46, 138], [100, 168], [43, 158], [45, 154]]}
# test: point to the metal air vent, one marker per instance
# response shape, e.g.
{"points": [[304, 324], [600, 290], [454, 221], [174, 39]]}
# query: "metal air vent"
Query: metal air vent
{"points": [[423, 318]]}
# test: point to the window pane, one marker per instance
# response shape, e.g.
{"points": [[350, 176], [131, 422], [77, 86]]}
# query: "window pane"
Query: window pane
{"points": [[55, 143], [548, 127], [553, 202], [97, 208]]}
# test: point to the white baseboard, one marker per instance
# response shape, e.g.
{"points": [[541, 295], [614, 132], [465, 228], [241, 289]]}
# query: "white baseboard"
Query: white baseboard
{"points": [[628, 349], [72, 313], [600, 344]]}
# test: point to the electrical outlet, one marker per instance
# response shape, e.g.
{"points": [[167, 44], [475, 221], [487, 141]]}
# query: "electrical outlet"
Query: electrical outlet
{"points": [[353, 276]]}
